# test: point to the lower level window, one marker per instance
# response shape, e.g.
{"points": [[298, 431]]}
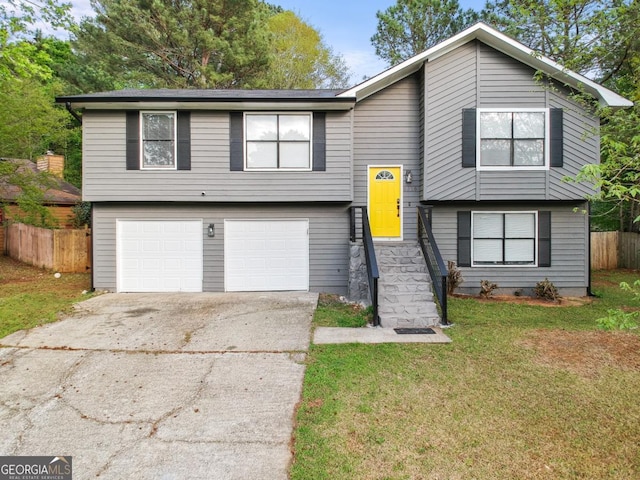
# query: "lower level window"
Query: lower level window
{"points": [[504, 238]]}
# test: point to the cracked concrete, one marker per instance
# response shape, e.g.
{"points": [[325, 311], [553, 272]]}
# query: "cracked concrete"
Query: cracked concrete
{"points": [[160, 386]]}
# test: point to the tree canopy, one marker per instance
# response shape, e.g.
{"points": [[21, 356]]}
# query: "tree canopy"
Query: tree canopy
{"points": [[300, 57], [199, 44], [412, 26], [176, 44]]}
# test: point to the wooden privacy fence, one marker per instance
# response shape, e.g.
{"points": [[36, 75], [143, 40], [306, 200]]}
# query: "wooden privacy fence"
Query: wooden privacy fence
{"points": [[67, 251], [610, 250]]}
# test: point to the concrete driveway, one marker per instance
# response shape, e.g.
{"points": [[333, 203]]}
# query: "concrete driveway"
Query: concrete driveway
{"points": [[160, 386]]}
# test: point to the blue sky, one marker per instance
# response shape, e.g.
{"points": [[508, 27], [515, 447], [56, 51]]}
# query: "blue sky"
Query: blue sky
{"points": [[346, 25]]}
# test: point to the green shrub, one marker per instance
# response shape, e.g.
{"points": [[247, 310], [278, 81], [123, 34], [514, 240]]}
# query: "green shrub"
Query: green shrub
{"points": [[618, 320]]}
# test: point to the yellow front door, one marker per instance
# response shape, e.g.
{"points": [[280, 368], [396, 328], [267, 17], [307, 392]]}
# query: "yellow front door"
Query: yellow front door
{"points": [[385, 202]]}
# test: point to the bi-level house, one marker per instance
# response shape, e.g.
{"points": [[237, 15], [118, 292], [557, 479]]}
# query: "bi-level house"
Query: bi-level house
{"points": [[211, 190]]}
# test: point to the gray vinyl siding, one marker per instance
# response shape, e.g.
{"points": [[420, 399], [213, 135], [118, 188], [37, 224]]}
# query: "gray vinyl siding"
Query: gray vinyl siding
{"points": [[105, 177], [477, 76], [581, 146], [450, 84], [387, 131], [328, 238], [569, 268]]}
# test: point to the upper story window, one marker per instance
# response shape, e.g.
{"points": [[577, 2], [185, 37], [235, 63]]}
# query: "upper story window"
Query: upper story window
{"points": [[513, 139], [504, 238], [278, 141], [158, 145]]}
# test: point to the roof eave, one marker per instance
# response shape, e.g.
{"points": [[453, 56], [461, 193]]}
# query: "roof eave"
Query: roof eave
{"points": [[231, 104], [500, 42]]}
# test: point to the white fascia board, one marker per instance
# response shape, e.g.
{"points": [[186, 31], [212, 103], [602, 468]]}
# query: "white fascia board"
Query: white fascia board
{"points": [[500, 42], [345, 104], [516, 50]]}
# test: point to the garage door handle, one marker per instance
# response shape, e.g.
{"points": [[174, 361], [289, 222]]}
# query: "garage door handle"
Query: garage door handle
{"points": [[398, 205]]}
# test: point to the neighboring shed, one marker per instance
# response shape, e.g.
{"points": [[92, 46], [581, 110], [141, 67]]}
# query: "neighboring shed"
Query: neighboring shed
{"points": [[59, 199]]}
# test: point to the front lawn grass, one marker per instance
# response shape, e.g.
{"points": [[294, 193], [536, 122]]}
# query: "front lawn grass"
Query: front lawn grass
{"points": [[31, 296], [526, 392]]}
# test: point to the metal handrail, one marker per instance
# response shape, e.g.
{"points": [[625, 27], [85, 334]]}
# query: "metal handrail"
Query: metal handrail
{"points": [[370, 256], [435, 263]]}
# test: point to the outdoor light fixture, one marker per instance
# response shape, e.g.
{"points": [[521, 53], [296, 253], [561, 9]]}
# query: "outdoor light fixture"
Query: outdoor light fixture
{"points": [[211, 231], [408, 177]]}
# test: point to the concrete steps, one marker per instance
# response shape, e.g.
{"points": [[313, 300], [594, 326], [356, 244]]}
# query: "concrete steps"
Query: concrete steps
{"points": [[405, 298]]}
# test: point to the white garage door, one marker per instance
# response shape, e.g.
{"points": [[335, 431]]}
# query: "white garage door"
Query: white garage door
{"points": [[159, 256], [266, 255]]}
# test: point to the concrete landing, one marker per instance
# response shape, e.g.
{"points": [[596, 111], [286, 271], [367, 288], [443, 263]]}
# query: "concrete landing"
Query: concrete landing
{"points": [[334, 335]]}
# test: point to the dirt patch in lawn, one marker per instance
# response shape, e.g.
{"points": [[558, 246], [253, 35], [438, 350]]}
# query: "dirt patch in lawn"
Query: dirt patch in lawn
{"points": [[526, 300], [585, 353], [12, 271]]}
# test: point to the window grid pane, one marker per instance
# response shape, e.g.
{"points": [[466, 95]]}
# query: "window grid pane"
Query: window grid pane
{"points": [[487, 251], [294, 127], [528, 152], [512, 139], [158, 140], [495, 124], [262, 127], [504, 238], [294, 155], [519, 251], [487, 225], [278, 141], [495, 153], [528, 125], [262, 154], [519, 225]]}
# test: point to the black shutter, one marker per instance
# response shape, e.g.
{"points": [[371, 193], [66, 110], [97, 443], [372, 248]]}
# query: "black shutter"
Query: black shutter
{"points": [[133, 140], [544, 239], [556, 152], [469, 137], [319, 142], [464, 239], [184, 141], [236, 141]]}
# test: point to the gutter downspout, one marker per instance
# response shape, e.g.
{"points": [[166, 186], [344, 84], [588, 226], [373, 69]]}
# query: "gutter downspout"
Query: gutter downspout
{"points": [[73, 113], [93, 267], [589, 292]]}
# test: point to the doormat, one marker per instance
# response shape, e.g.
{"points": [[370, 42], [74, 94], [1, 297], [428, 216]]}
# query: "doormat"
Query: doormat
{"points": [[415, 331]]}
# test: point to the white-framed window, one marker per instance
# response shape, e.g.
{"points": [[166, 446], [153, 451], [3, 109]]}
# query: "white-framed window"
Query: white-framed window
{"points": [[504, 238], [278, 141], [513, 139], [158, 140]]}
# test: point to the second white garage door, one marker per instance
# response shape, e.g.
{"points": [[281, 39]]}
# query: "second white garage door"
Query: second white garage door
{"points": [[266, 255]]}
